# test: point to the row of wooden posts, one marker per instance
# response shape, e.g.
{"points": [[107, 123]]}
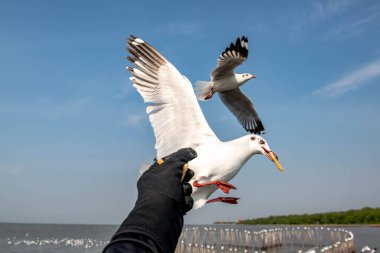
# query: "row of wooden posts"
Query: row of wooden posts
{"points": [[222, 238]]}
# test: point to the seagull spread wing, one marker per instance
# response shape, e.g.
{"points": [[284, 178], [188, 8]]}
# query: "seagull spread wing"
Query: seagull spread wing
{"points": [[242, 107], [233, 56], [174, 112]]}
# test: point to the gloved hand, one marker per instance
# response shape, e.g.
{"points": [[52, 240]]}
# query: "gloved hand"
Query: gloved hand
{"points": [[162, 201]]}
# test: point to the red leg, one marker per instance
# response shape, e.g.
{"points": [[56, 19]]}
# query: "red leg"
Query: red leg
{"points": [[225, 187], [229, 200], [209, 95]]}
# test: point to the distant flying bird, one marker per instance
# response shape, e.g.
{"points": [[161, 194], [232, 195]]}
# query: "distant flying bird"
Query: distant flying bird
{"points": [[226, 83], [368, 249], [178, 122]]}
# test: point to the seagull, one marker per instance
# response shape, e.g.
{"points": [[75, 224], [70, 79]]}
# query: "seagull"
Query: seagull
{"points": [[178, 122], [368, 249], [226, 83]]}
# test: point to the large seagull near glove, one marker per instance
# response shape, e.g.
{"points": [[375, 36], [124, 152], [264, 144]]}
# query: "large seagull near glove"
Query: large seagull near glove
{"points": [[226, 83], [178, 122]]}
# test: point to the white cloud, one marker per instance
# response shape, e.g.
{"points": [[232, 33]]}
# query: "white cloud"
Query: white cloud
{"points": [[69, 108], [44, 107], [315, 15], [322, 9], [349, 28], [180, 28], [10, 170], [126, 86], [135, 119], [352, 81]]}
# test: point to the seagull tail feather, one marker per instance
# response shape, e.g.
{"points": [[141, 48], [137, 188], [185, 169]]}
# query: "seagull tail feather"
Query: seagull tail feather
{"points": [[203, 89]]}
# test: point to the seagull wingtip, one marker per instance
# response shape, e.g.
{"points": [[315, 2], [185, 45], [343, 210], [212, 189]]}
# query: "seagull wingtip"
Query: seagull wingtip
{"points": [[135, 40]]}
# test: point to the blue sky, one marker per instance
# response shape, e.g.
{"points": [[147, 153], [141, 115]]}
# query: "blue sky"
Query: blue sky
{"points": [[73, 131]]}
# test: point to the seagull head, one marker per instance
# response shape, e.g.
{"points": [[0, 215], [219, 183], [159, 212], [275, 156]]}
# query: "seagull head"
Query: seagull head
{"points": [[262, 147], [242, 78]]}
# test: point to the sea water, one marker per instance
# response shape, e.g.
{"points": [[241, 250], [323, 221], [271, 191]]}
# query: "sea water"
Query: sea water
{"points": [[63, 238], [58, 238]]}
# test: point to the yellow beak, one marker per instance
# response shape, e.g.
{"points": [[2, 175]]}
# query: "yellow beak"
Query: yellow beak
{"points": [[274, 159]]}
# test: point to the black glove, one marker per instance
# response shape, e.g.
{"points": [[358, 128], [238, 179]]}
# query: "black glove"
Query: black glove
{"points": [[162, 201]]}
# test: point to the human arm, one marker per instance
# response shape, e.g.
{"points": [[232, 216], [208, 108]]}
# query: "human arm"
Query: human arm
{"points": [[156, 221]]}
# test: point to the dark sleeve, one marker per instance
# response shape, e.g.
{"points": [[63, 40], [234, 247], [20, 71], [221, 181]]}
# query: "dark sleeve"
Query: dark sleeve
{"points": [[155, 223], [131, 243]]}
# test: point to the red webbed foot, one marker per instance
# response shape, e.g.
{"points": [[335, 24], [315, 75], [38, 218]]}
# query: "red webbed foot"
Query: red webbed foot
{"points": [[228, 200], [209, 95], [224, 186]]}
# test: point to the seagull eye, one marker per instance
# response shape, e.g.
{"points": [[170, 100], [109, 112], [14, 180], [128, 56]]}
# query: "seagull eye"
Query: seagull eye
{"points": [[262, 141], [253, 137]]}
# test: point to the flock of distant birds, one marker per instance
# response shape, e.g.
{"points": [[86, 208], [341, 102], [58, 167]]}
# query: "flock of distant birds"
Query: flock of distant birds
{"points": [[178, 121], [85, 243]]}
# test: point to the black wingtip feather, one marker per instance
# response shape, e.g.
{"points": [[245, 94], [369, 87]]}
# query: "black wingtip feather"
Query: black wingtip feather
{"points": [[254, 125], [258, 129], [238, 47]]}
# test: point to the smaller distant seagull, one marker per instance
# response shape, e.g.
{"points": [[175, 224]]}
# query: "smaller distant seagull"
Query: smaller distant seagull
{"points": [[368, 249], [226, 82]]}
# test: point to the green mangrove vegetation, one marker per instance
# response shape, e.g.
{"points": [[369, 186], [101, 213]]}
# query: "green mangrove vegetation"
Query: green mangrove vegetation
{"points": [[365, 215]]}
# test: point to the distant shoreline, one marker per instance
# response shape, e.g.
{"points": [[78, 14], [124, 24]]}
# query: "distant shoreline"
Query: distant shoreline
{"points": [[308, 225], [366, 216]]}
